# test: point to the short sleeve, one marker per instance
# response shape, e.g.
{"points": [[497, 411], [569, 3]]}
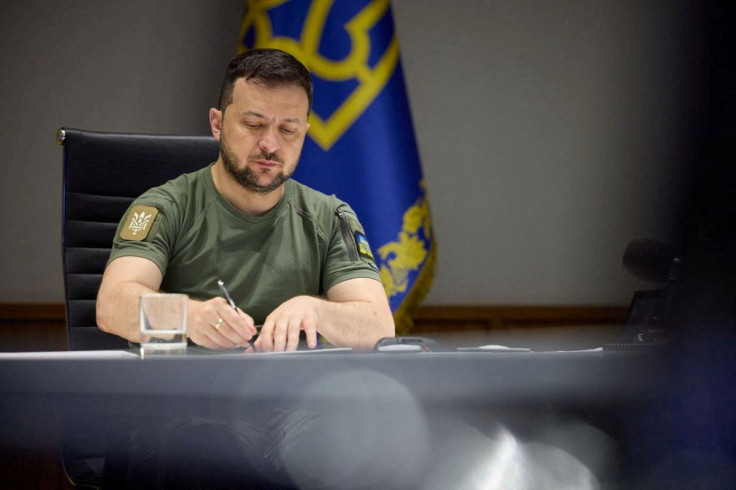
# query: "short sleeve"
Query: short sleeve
{"points": [[147, 230], [349, 254]]}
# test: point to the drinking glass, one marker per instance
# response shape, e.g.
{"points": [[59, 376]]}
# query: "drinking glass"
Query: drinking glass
{"points": [[163, 323]]}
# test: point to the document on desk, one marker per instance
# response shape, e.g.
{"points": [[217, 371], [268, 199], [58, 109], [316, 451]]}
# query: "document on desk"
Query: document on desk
{"points": [[503, 348], [201, 351], [328, 350], [67, 355], [596, 349]]}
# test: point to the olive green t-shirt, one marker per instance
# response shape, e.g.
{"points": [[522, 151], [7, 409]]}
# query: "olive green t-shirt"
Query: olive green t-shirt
{"points": [[306, 244]]}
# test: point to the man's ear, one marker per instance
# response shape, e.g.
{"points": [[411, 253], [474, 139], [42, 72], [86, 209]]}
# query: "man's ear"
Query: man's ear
{"points": [[216, 123]]}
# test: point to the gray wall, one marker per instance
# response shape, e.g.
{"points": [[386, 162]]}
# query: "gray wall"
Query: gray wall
{"points": [[549, 131]]}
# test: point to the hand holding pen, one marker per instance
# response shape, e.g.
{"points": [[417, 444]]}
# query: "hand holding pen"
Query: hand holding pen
{"points": [[230, 301]]}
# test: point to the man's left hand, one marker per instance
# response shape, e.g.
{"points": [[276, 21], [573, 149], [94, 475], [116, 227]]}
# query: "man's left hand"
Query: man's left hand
{"points": [[280, 331]]}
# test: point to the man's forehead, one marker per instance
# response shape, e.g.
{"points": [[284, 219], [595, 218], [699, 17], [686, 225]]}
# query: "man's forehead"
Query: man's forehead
{"points": [[282, 101]]}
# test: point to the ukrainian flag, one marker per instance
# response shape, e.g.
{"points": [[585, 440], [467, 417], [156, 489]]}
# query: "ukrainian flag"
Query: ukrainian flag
{"points": [[361, 145]]}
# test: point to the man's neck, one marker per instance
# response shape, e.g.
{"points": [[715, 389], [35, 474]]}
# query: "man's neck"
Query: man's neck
{"points": [[248, 202]]}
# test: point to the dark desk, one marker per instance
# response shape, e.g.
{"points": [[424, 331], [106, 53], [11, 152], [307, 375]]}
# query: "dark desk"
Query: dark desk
{"points": [[506, 378], [434, 413]]}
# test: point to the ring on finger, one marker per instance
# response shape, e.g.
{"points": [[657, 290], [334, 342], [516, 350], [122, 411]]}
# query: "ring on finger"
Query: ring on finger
{"points": [[216, 326]]}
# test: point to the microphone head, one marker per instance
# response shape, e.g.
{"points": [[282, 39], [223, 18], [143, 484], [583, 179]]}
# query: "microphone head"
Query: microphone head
{"points": [[650, 260]]}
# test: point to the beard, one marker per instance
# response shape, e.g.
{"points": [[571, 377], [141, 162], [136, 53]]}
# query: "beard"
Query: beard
{"points": [[245, 176]]}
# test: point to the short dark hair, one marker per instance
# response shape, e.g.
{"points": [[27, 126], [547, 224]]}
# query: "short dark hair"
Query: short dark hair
{"points": [[270, 67]]}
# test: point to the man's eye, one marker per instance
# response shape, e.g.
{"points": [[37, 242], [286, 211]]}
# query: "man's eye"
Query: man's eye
{"points": [[252, 126], [288, 130]]}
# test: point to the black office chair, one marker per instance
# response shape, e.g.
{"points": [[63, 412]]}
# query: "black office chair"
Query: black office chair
{"points": [[103, 173]]}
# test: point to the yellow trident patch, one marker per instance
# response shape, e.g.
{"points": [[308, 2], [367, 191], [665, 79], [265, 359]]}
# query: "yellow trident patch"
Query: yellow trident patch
{"points": [[138, 223], [325, 132]]}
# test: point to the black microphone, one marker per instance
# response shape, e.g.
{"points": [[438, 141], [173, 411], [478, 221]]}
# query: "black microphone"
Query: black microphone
{"points": [[657, 262], [652, 260]]}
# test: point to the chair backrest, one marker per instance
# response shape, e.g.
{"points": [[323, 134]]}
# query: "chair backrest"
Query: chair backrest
{"points": [[103, 174]]}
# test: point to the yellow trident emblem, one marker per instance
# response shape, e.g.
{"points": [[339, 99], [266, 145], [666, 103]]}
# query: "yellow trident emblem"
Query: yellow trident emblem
{"points": [[325, 132]]}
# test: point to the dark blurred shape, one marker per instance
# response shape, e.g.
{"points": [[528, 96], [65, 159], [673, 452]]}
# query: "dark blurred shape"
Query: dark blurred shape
{"points": [[686, 439], [651, 260], [647, 324]]}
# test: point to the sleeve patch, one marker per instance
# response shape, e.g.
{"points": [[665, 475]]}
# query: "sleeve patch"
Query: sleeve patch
{"points": [[364, 248], [138, 223]]}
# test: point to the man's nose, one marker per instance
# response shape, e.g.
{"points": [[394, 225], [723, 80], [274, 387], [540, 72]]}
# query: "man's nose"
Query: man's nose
{"points": [[269, 141]]}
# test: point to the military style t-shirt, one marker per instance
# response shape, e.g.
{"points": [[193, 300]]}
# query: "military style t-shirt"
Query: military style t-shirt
{"points": [[306, 244]]}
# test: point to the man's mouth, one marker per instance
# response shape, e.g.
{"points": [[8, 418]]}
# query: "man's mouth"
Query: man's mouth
{"points": [[266, 160]]}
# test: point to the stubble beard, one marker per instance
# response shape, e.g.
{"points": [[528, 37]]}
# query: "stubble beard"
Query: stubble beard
{"points": [[245, 176]]}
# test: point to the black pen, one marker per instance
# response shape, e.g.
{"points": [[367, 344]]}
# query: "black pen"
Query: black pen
{"points": [[229, 299]]}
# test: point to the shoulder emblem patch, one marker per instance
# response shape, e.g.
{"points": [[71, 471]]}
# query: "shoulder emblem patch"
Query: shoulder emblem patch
{"points": [[138, 223], [364, 249]]}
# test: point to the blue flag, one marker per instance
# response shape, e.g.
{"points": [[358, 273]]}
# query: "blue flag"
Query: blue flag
{"points": [[361, 145]]}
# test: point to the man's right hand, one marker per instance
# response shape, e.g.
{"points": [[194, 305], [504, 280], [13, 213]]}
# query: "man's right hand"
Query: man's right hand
{"points": [[216, 325], [126, 278]]}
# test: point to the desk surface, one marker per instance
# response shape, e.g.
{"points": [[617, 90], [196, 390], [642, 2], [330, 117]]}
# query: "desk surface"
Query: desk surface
{"points": [[378, 400], [566, 378]]}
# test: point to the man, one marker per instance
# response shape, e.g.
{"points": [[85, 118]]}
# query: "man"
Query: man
{"points": [[294, 259]]}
